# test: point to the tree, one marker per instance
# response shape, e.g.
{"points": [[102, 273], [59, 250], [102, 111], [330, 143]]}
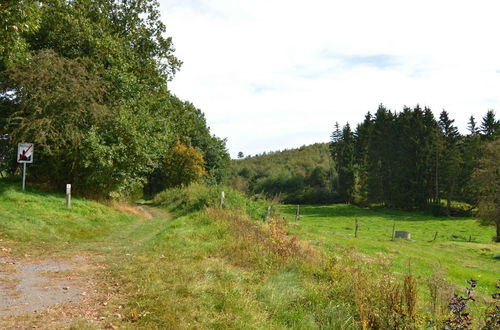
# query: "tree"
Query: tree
{"points": [[470, 154], [184, 165], [451, 158], [94, 96], [472, 126], [345, 160], [380, 154], [487, 182], [490, 127], [362, 137], [56, 103], [17, 18], [240, 155], [335, 138]]}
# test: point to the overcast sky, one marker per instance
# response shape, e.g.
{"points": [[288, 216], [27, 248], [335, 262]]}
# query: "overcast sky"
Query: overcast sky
{"points": [[276, 74]]}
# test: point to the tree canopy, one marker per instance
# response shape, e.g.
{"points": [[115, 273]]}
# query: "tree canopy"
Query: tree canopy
{"points": [[88, 84]]}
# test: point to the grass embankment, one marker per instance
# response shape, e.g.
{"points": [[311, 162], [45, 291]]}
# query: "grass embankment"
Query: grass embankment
{"points": [[39, 222]]}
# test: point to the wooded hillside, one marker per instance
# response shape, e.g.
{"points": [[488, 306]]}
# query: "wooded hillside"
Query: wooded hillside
{"points": [[302, 175]]}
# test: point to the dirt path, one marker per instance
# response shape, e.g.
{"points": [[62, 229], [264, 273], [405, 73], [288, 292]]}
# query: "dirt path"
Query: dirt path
{"points": [[73, 285], [35, 287]]}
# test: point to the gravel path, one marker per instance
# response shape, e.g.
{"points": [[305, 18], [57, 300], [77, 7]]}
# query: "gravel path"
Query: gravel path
{"points": [[34, 287]]}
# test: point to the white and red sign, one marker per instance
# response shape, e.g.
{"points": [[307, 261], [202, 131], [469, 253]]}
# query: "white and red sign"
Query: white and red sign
{"points": [[25, 153]]}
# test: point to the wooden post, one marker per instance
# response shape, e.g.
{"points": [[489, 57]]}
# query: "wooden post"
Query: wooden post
{"points": [[356, 228], [435, 236], [297, 214], [268, 214], [222, 199], [393, 230], [470, 238], [68, 196]]}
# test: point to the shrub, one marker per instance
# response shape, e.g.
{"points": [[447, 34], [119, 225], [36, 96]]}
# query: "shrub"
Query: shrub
{"points": [[196, 197]]}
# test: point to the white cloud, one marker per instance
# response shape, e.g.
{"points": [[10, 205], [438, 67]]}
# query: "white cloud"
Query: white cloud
{"points": [[277, 74]]}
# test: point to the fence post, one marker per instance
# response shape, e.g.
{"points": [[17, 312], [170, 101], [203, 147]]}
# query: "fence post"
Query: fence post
{"points": [[356, 228], [222, 199], [268, 214], [68, 196], [393, 230]]}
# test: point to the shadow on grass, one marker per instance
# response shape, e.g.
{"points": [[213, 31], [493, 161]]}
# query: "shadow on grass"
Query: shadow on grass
{"points": [[352, 211], [15, 184]]}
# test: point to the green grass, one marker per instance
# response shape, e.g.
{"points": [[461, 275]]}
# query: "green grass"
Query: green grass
{"points": [[42, 219], [331, 227]]}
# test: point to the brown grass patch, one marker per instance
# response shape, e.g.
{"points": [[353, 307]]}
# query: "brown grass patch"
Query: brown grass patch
{"points": [[134, 210]]}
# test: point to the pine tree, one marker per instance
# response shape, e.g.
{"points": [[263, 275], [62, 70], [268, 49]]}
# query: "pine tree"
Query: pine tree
{"points": [[490, 127], [334, 151], [451, 158], [362, 137], [472, 126], [346, 160], [380, 155]]}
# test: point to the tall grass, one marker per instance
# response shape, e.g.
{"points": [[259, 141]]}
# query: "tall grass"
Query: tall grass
{"points": [[196, 197]]}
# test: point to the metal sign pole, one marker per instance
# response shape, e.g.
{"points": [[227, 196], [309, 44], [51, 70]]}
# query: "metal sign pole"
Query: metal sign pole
{"points": [[24, 176], [24, 155]]}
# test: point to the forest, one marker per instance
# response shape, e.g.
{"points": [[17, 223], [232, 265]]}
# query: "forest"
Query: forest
{"points": [[297, 176], [404, 160], [86, 81]]}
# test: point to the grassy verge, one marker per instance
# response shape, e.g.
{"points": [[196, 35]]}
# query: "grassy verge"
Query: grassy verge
{"points": [[38, 221]]}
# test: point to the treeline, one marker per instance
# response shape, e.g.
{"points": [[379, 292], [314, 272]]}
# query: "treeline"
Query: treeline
{"points": [[409, 159], [303, 175], [86, 81], [406, 159]]}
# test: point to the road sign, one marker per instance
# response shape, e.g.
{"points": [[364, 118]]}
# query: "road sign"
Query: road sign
{"points": [[25, 153]]}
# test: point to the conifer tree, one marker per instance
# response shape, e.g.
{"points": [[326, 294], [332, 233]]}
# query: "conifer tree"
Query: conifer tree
{"points": [[490, 127], [451, 158], [362, 137], [346, 159]]}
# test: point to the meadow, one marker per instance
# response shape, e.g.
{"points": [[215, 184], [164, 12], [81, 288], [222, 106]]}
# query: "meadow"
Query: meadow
{"points": [[461, 250]]}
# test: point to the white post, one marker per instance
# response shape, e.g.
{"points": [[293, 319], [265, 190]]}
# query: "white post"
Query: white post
{"points": [[68, 196], [222, 199], [24, 176]]}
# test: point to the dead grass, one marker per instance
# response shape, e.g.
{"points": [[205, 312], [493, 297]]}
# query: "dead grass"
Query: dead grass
{"points": [[135, 210]]}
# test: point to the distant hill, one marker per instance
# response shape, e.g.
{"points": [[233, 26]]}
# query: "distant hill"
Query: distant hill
{"points": [[297, 176]]}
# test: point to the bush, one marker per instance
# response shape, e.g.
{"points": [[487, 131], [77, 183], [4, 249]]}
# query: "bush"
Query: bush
{"points": [[196, 197]]}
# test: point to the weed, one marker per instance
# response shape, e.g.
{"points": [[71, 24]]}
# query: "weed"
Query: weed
{"points": [[460, 319], [492, 319], [440, 292], [282, 244]]}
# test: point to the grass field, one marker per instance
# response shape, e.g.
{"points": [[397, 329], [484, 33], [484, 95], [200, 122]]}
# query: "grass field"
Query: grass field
{"points": [[331, 227]]}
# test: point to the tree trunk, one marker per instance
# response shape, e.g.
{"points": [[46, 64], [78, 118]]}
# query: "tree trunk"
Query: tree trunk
{"points": [[497, 239], [448, 205]]}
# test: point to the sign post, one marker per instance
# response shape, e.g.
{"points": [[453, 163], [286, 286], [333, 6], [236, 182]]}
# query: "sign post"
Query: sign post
{"points": [[24, 156]]}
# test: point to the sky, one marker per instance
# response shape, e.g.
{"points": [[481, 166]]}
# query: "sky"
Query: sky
{"points": [[275, 74]]}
